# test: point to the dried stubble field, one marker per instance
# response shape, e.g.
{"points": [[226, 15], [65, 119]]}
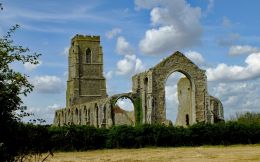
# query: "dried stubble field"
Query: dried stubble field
{"points": [[236, 153]]}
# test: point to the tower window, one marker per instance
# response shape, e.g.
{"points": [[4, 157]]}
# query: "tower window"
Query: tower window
{"points": [[88, 56], [187, 120]]}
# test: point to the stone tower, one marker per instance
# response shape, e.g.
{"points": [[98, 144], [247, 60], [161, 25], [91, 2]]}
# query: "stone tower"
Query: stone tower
{"points": [[85, 72]]}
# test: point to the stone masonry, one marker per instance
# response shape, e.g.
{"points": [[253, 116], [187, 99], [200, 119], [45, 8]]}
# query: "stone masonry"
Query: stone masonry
{"points": [[87, 102]]}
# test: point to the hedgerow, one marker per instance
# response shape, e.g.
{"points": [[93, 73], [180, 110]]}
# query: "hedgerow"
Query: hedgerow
{"points": [[30, 138]]}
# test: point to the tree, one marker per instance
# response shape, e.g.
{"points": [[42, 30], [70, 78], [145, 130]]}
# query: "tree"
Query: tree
{"points": [[13, 85]]}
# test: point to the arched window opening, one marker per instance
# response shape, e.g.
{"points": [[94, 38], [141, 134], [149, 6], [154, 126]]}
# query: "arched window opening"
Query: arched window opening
{"points": [[69, 117], [88, 56], [104, 114], [59, 120], [65, 117], [124, 111], [62, 116], [80, 117], [178, 99], [145, 98], [72, 122], [88, 116], [76, 116], [85, 114], [97, 123]]}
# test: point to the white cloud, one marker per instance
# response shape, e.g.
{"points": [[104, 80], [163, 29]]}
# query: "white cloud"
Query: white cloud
{"points": [[196, 57], [171, 94], [176, 26], [123, 47], [54, 107], [112, 33], [28, 66], [237, 96], [225, 72], [129, 65], [45, 113], [244, 49], [48, 84], [125, 104], [66, 51], [109, 75]]}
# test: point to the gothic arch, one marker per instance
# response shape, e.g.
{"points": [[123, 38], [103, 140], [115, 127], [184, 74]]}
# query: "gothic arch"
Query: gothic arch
{"points": [[88, 56], [129, 96], [178, 62], [192, 116]]}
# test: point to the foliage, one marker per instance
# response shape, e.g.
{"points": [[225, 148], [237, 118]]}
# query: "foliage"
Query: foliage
{"points": [[81, 138], [138, 110], [31, 139], [247, 118], [13, 85], [78, 138]]}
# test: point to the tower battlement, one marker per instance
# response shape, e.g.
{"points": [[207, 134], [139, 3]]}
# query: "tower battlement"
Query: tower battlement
{"points": [[79, 37]]}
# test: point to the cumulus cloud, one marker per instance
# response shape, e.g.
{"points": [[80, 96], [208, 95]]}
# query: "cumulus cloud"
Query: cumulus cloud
{"points": [[225, 72], [123, 47], [196, 57], [129, 64], [48, 84], [113, 33], [176, 25], [29, 67], [244, 49], [237, 96], [171, 94]]}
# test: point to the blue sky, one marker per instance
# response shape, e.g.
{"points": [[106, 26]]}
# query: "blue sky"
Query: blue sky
{"points": [[222, 37]]}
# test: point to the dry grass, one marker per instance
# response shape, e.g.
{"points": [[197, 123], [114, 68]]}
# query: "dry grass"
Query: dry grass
{"points": [[235, 153]]}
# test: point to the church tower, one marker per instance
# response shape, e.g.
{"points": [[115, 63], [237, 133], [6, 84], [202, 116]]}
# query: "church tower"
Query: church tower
{"points": [[85, 78]]}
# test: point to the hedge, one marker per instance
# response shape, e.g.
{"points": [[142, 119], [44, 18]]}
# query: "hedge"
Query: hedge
{"points": [[28, 138]]}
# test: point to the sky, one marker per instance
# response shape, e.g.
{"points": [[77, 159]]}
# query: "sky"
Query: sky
{"points": [[220, 36]]}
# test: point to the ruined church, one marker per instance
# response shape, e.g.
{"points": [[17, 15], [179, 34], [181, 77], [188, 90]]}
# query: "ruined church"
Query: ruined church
{"points": [[87, 102]]}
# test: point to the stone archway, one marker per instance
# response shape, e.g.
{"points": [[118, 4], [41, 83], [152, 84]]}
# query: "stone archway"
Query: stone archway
{"points": [[185, 108], [122, 116], [178, 62]]}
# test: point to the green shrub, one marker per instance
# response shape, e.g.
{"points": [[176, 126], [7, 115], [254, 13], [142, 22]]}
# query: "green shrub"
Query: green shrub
{"points": [[36, 139]]}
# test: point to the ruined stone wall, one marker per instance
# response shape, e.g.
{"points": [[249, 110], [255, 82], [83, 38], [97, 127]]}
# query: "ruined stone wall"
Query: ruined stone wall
{"points": [[88, 104], [153, 94], [99, 113], [216, 109], [96, 113]]}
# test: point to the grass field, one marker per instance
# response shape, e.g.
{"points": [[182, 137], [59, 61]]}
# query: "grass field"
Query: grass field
{"points": [[236, 153]]}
